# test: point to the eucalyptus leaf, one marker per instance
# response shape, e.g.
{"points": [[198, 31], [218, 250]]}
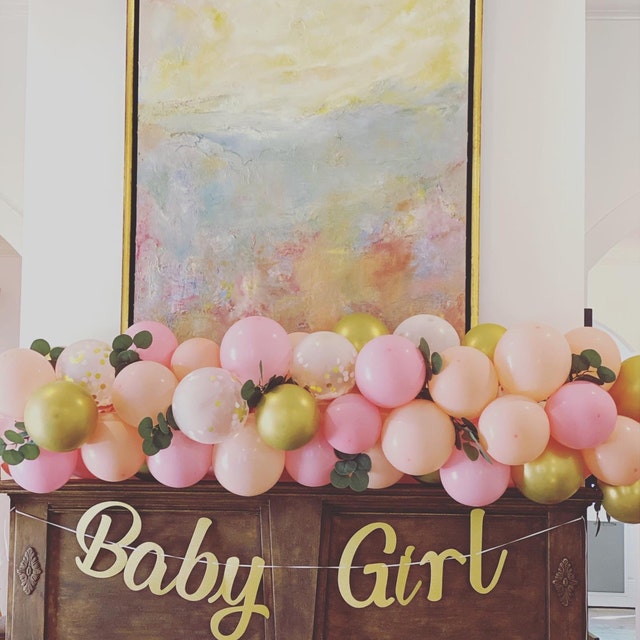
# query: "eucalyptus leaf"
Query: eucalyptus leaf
{"points": [[122, 342], [345, 456], [346, 467], [3, 446], [470, 451], [338, 481], [127, 357], [247, 390], [11, 456], [41, 346], [145, 428], [163, 425], [605, 374], [578, 363], [13, 436], [162, 440], [143, 339], [170, 418], [424, 349], [54, 354], [592, 357], [29, 450], [359, 481], [364, 462], [436, 363], [149, 448], [113, 358], [589, 378]]}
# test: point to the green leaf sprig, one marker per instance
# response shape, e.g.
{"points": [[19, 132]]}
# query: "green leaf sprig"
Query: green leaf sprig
{"points": [[252, 393], [122, 354], [158, 436], [588, 366], [20, 446], [433, 363], [351, 470], [42, 347], [468, 441]]}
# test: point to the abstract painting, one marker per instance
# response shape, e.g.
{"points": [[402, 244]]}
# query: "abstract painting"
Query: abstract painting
{"points": [[301, 159]]}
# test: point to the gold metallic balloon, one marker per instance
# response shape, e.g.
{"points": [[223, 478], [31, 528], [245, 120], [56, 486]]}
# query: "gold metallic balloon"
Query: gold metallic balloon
{"points": [[287, 417], [430, 478], [60, 416], [359, 328], [554, 476], [622, 502], [626, 389], [484, 337]]}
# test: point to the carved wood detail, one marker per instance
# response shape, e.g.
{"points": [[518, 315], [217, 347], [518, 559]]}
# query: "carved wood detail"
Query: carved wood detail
{"points": [[29, 570], [565, 582]]}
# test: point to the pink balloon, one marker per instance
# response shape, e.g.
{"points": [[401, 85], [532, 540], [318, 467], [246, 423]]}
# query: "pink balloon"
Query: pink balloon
{"points": [[163, 345], [351, 423], [383, 474], [582, 338], [141, 389], [114, 451], [253, 344], [81, 470], [311, 464], [22, 371], [390, 371], [474, 483], [244, 464], [184, 463], [466, 384], [48, 472], [194, 353], [514, 429], [581, 414], [616, 461], [417, 438], [533, 360]]}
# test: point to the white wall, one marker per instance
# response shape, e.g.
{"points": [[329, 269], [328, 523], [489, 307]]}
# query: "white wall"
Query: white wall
{"points": [[532, 166]]}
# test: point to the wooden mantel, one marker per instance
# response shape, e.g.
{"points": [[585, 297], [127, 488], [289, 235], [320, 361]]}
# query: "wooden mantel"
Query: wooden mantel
{"points": [[301, 534]]}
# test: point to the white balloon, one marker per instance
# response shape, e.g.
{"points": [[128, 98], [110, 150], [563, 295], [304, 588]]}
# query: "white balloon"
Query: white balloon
{"points": [[438, 333]]}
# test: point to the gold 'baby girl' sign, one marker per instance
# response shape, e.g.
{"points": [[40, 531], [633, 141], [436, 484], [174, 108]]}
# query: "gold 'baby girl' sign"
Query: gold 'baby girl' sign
{"points": [[218, 582]]}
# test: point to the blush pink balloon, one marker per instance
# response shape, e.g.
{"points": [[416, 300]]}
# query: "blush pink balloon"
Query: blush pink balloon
{"points": [[581, 414], [194, 353], [163, 345], [22, 371], [475, 483], [616, 461], [418, 437], [351, 423], [184, 463], [114, 451], [256, 348], [48, 472], [514, 429], [141, 389], [311, 464], [533, 360], [466, 383], [390, 371], [244, 464], [383, 474], [582, 338]]}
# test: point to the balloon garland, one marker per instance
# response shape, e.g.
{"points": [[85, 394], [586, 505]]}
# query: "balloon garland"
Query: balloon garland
{"points": [[357, 406]]}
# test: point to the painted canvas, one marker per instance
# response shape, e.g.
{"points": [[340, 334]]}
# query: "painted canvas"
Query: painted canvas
{"points": [[300, 159]]}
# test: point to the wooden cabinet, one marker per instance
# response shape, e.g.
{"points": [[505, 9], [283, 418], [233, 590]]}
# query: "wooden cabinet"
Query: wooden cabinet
{"points": [[383, 564]]}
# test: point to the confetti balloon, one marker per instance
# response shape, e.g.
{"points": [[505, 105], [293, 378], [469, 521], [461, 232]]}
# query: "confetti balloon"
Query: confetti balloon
{"points": [[87, 363]]}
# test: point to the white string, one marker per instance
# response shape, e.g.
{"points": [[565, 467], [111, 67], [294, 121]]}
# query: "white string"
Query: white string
{"points": [[312, 567]]}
